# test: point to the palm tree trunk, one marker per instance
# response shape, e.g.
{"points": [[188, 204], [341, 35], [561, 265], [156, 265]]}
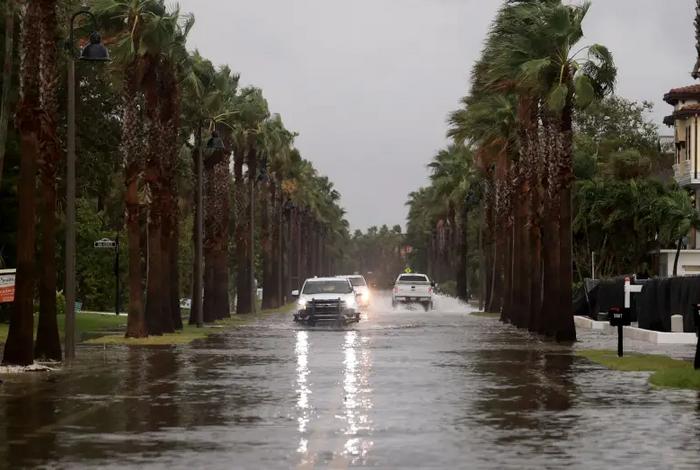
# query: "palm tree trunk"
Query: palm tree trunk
{"points": [[243, 287], [221, 215], [198, 257], [267, 251], [19, 345], [48, 344], [677, 257], [216, 236], [136, 321], [175, 274], [462, 257], [507, 311], [535, 177], [566, 330], [155, 317], [6, 79], [299, 250], [131, 147], [279, 229]]}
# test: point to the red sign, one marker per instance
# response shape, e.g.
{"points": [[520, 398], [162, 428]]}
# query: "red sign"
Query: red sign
{"points": [[7, 285]]}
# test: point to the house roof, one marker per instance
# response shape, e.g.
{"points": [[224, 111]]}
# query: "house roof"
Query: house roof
{"points": [[683, 93], [688, 110]]}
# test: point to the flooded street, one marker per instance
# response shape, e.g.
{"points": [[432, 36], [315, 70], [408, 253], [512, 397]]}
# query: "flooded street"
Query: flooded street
{"points": [[401, 389]]}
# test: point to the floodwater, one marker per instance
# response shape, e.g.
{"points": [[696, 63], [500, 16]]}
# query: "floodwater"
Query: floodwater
{"points": [[402, 389]]}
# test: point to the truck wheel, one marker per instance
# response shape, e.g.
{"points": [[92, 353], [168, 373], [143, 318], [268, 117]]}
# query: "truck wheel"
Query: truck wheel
{"points": [[427, 306]]}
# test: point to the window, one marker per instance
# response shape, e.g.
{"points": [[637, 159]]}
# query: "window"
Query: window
{"points": [[357, 281], [340, 286], [413, 278]]}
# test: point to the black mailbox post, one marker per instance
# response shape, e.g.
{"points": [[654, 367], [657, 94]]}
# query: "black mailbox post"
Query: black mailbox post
{"points": [[620, 317]]}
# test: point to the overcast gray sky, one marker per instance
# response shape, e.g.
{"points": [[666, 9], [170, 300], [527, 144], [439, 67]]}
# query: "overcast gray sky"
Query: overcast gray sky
{"points": [[368, 83]]}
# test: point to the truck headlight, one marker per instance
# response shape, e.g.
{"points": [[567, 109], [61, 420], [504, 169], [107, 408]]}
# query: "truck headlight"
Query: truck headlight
{"points": [[301, 304]]}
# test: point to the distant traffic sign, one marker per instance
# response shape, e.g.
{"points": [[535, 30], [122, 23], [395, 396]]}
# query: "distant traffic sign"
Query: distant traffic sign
{"points": [[105, 243]]}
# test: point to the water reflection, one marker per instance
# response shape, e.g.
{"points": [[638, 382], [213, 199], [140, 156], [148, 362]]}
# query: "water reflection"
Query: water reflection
{"points": [[303, 391], [358, 400], [525, 391]]}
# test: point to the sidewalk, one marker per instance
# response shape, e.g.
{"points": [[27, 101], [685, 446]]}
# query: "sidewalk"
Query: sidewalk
{"points": [[601, 336], [633, 332]]}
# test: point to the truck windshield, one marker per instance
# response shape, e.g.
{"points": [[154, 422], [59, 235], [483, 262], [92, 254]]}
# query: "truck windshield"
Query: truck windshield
{"points": [[412, 278], [327, 287], [357, 281]]}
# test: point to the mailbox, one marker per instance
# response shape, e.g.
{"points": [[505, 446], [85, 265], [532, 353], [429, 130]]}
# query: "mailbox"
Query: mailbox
{"points": [[620, 316]]}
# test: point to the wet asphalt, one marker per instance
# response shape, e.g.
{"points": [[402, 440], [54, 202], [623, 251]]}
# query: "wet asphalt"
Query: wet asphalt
{"points": [[401, 389]]}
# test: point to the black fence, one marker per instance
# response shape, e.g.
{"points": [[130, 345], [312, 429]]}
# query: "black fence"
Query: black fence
{"points": [[652, 309]]}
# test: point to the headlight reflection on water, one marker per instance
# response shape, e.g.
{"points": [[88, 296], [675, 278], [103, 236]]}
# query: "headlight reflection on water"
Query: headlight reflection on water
{"points": [[358, 400], [303, 390]]}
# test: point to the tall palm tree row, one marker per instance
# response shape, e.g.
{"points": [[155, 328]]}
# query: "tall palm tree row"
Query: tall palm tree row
{"points": [[518, 120], [19, 346], [173, 103]]}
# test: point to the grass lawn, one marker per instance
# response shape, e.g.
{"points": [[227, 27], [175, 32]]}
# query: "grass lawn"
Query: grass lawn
{"points": [[486, 314], [667, 372], [92, 328], [87, 324], [189, 333]]}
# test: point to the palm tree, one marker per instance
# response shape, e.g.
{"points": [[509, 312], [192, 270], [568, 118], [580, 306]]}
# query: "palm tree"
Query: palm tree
{"points": [[19, 345], [158, 86], [679, 216], [130, 23], [210, 100], [252, 111], [48, 344], [174, 61], [218, 202], [451, 175], [277, 146], [530, 55], [6, 79], [556, 72]]}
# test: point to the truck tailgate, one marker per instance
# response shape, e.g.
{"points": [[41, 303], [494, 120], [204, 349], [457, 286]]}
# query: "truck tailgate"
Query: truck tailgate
{"points": [[413, 290]]}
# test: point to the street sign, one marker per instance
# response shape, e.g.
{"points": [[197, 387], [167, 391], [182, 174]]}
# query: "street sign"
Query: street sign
{"points": [[7, 285], [105, 243]]}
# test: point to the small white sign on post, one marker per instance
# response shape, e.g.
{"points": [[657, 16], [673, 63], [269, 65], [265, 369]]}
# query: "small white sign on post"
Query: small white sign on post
{"points": [[629, 290], [105, 243]]}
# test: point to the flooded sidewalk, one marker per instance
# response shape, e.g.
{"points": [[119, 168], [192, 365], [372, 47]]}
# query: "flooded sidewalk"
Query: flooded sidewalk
{"points": [[401, 389]]}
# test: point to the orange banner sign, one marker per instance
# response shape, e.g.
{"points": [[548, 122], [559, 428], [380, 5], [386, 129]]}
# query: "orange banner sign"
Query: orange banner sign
{"points": [[7, 285]]}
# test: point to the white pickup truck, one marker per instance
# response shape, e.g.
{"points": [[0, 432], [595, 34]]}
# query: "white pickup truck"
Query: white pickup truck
{"points": [[413, 288]]}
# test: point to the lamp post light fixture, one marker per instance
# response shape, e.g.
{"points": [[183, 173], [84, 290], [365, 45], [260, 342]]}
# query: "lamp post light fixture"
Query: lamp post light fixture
{"points": [[93, 52]]}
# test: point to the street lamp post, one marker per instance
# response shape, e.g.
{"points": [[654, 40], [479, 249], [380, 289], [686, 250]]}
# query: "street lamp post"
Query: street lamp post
{"points": [[93, 52]]}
